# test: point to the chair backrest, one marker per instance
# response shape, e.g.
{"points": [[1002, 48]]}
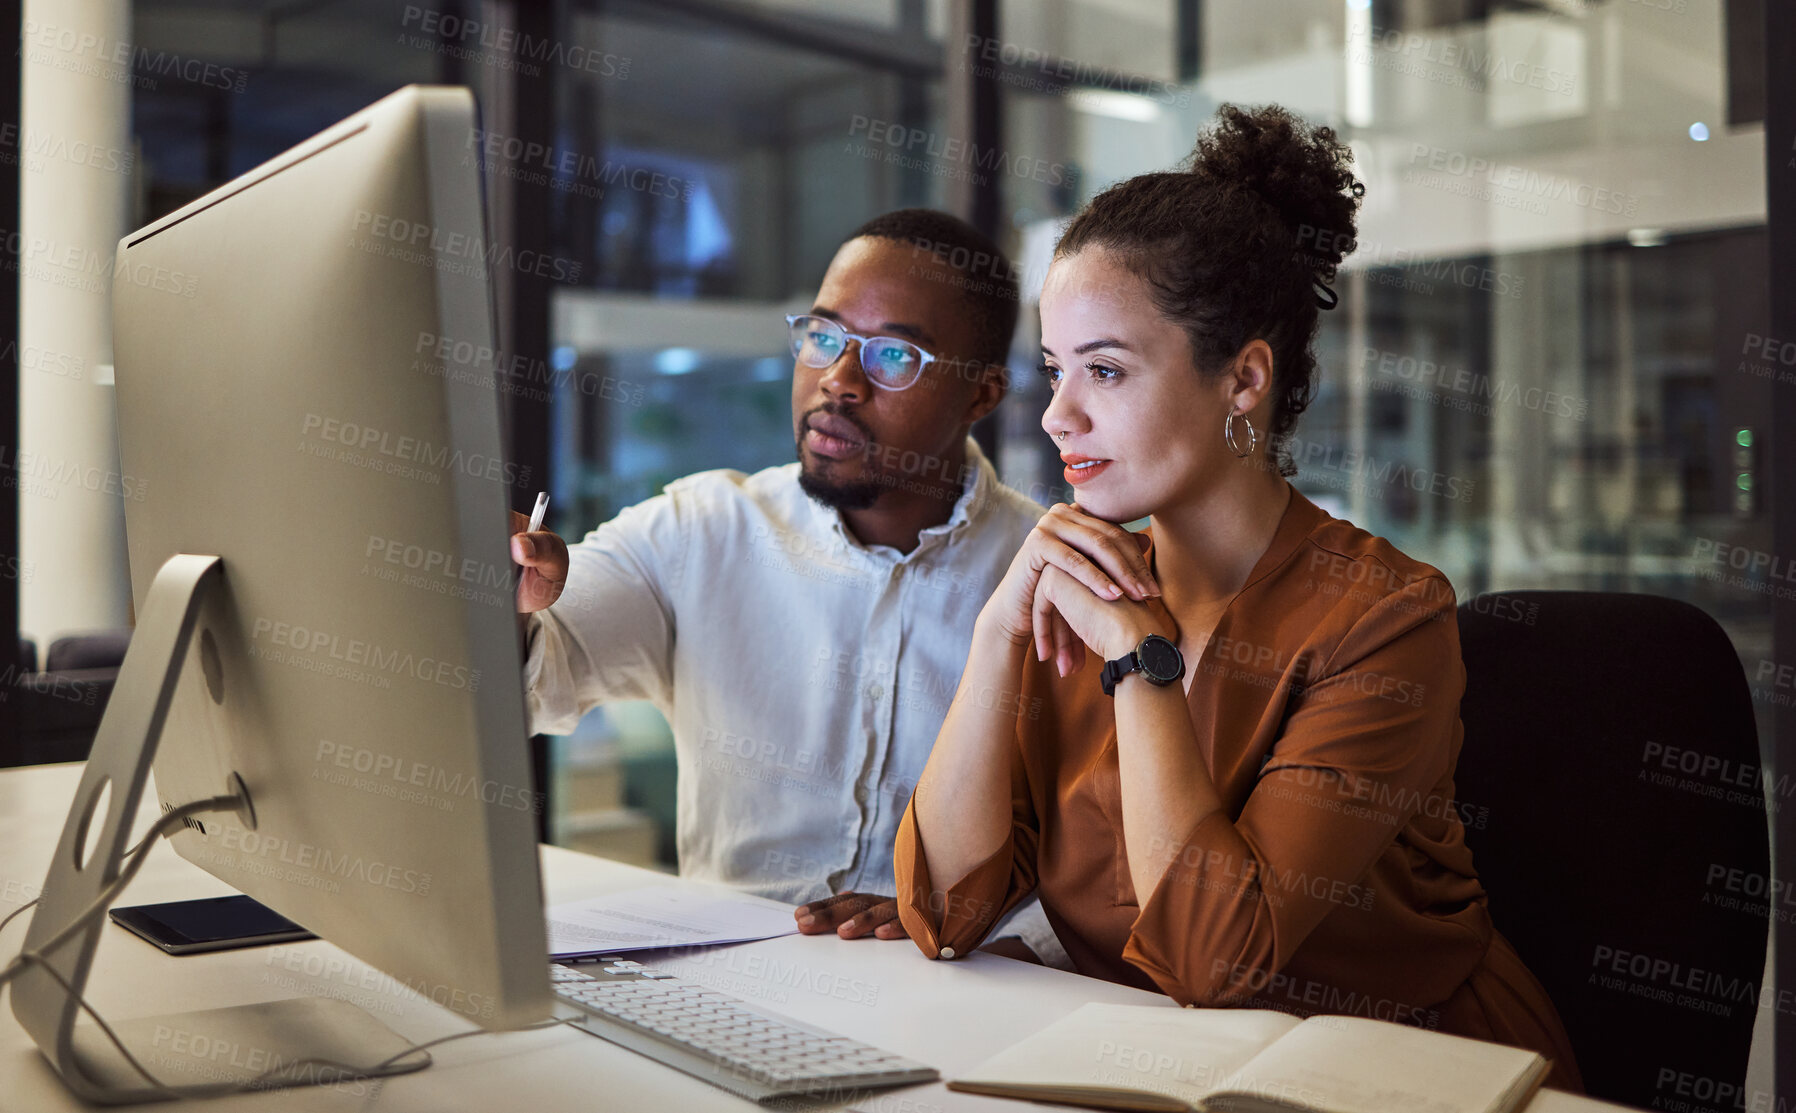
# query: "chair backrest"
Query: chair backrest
{"points": [[1612, 775], [97, 649]]}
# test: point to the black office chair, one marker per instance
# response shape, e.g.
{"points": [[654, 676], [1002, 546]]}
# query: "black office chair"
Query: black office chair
{"points": [[1595, 851], [97, 649], [58, 710]]}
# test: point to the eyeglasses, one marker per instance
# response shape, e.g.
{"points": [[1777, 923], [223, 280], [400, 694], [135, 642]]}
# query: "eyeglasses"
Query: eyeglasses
{"points": [[890, 363]]}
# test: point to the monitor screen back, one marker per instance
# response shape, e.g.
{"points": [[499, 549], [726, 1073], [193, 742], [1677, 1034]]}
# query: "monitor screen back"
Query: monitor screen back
{"points": [[305, 388]]}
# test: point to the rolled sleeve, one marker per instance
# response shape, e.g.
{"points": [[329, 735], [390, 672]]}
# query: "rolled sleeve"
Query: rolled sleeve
{"points": [[1367, 743], [610, 636], [552, 658], [966, 911]]}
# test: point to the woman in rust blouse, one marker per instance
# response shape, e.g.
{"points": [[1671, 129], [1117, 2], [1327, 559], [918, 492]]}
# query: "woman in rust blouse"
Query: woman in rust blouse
{"points": [[1262, 812]]}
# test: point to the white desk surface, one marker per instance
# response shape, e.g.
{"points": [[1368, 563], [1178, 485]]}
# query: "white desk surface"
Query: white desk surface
{"points": [[950, 1015]]}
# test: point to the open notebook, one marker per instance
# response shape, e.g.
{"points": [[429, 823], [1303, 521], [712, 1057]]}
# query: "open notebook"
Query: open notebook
{"points": [[1245, 1060]]}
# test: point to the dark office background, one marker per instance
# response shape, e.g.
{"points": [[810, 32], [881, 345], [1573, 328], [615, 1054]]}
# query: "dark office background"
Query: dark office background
{"points": [[706, 156]]}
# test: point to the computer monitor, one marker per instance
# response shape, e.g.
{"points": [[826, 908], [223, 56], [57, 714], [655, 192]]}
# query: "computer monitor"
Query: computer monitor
{"points": [[305, 387]]}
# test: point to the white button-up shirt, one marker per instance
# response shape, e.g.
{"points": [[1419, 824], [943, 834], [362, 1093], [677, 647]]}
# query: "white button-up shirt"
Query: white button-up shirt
{"points": [[805, 675]]}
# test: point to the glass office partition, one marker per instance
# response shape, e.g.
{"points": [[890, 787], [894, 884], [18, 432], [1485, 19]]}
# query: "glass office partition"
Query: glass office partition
{"points": [[1541, 373], [767, 133], [1550, 366]]}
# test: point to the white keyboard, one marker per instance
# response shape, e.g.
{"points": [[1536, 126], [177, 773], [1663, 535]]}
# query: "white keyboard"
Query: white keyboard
{"points": [[718, 1039]]}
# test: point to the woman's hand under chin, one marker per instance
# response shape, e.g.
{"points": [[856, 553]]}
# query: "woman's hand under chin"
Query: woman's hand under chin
{"points": [[1074, 618], [1101, 558]]}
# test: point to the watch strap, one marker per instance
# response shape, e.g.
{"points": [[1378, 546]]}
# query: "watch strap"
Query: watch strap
{"points": [[1115, 670]]}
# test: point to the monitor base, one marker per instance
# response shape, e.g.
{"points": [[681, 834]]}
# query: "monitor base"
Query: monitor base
{"points": [[91, 855], [226, 1049]]}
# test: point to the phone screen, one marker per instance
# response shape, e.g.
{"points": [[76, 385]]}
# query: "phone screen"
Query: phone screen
{"points": [[214, 923]]}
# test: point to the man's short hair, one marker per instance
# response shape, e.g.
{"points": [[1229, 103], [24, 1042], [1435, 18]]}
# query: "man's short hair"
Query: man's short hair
{"points": [[967, 258]]}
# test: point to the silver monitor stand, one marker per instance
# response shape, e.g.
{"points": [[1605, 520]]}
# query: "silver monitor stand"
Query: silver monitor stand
{"points": [[179, 1049]]}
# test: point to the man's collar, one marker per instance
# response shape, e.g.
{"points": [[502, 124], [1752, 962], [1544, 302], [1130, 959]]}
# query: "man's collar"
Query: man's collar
{"points": [[978, 485]]}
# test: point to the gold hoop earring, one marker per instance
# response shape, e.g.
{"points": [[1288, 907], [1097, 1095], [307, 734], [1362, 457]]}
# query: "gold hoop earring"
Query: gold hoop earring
{"points": [[1228, 435]]}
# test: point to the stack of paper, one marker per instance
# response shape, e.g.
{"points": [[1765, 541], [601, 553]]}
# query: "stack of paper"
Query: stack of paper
{"points": [[656, 916]]}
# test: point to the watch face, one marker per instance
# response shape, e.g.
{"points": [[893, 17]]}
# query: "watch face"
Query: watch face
{"points": [[1160, 659]]}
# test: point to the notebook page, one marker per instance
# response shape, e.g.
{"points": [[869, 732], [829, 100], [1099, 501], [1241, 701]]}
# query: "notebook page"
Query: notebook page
{"points": [[1346, 1064], [1180, 1053]]}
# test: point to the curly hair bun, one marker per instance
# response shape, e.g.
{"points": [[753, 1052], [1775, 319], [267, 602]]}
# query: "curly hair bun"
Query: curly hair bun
{"points": [[1303, 172], [1240, 243]]}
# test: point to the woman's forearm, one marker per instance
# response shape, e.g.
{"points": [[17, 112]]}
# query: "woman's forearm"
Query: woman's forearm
{"points": [[1166, 787], [962, 801]]}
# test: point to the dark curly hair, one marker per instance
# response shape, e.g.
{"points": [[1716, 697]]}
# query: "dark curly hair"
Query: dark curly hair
{"points": [[1240, 243], [989, 286]]}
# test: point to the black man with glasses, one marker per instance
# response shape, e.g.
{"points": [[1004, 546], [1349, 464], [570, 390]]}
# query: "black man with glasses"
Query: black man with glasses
{"points": [[804, 628]]}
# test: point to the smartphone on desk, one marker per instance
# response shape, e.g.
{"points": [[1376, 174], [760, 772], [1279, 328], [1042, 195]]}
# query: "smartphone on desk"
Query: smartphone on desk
{"points": [[190, 927]]}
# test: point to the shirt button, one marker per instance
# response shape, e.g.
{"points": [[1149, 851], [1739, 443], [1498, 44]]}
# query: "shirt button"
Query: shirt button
{"points": [[874, 691], [860, 794], [947, 952]]}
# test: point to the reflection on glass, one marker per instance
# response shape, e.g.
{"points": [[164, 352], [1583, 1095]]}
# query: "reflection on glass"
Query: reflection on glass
{"points": [[1550, 340]]}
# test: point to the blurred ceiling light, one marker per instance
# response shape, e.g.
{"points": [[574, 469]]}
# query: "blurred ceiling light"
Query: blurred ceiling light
{"points": [[1646, 237], [1699, 131], [1358, 71], [676, 361], [1109, 102]]}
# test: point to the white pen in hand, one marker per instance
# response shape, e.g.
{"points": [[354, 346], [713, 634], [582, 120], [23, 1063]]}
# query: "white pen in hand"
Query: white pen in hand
{"points": [[536, 523]]}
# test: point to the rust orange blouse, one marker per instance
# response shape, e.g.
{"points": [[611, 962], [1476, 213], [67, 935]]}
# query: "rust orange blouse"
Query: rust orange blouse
{"points": [[1336, 876]]}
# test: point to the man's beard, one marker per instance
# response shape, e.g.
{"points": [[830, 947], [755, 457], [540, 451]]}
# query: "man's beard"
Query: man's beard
{"points": [[856, 494], [853, 495]]}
